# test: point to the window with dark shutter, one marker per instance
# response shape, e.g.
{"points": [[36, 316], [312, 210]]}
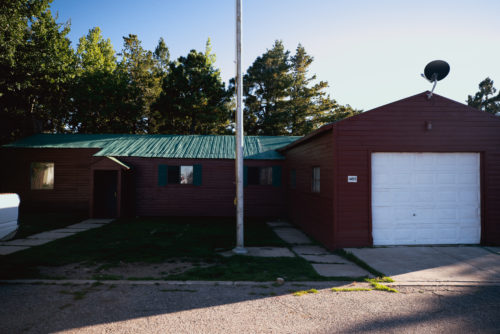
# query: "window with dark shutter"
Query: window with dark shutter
{"points": [[276, 178], [253, 175], [197, 176], [264, 176], [162, 175], [174, 176], [179, 175]]}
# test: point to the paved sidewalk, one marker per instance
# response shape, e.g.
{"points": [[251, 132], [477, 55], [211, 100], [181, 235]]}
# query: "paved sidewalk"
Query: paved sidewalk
{"points": [[9, 247], [324, 262], [433, 264]]}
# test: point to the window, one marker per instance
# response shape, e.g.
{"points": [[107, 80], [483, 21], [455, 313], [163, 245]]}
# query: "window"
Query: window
{"points": [[293, 179], [42, 175], [179, 175], [260, 175], [186, 174], [315, 180]]}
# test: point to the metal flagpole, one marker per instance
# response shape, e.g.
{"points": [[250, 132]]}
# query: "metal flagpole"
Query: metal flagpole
{"points": [[240, 249]]}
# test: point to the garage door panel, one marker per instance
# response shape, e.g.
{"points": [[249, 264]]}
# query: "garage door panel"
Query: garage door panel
{"points": [[405, 235], [425, 163], [446, 179], [424, 178], [468, 196], [381, 198], [403, 178], [446, 197], [446, 213], [426, 235], [381, 179], [401, 196], [425, 198], [423, 214], [401, 213], [468, 212], [383, 213], [468, 178], [469, 234]]}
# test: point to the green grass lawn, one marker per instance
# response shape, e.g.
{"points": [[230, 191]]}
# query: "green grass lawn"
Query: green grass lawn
{"points": [[32, 223], [149, 240]]}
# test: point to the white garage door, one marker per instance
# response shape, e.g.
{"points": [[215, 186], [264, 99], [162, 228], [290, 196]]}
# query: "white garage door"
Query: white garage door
{"points": [[425, 198]]}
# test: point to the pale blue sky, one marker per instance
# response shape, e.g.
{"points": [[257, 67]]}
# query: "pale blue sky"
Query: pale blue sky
{"points": [[370, 52]]}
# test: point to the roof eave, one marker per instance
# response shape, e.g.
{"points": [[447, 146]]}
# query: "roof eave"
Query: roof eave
{"points": [[302, 140]]}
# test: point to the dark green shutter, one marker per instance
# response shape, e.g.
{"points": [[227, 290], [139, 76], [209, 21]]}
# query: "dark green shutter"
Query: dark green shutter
{"points": [[277, 176], [245, 176], [162, 175], [197, 175]]}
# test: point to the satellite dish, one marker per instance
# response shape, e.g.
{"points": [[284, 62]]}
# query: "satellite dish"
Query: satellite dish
{"points": [[436, 71]]}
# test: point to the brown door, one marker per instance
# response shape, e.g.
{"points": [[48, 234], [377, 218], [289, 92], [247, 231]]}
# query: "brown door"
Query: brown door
{"points": [[105, 193]]}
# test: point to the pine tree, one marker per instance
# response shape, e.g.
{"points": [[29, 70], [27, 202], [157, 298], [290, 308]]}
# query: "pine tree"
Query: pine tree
{"points": [[281, 98], [193, 99], [309, 104], [266, 88], [100, 90], [162, 57], [144, 82], [485, 99]]}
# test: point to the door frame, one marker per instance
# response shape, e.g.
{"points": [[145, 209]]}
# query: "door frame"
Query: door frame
{"points": [[109, 164], [117, 197]]}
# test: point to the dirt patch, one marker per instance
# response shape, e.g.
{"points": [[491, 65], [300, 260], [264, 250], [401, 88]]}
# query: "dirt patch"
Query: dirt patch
{"points": [[135, 270]]}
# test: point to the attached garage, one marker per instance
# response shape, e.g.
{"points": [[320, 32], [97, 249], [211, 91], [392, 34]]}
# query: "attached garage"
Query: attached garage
{"points": [[426, 198], [415, 171]]}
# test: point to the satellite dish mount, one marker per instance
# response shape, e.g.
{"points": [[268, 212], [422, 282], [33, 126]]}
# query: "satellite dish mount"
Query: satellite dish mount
{"points": [[435, 71]]}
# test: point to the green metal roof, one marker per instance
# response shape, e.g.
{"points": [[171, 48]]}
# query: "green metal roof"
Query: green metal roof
{"points": [[162, 146]]}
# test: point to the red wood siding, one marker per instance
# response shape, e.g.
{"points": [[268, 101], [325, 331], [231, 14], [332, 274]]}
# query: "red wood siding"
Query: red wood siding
{"points": [[313, 212], [73, 189], [215, 196], [400, 127], [71, 178]]}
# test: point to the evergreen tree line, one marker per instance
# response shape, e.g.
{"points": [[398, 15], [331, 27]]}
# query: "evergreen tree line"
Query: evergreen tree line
{"points": [[47, 86]]}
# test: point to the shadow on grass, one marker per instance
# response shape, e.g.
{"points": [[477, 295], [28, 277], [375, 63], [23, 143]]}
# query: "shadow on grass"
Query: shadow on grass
{"points": [[157, 240]]}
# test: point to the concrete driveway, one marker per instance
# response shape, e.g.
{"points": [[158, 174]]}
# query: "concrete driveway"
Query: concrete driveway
{"points": [[434, 263]]}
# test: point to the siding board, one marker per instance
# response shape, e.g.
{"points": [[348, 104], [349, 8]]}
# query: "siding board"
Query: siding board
{"points": [[313, 212], [72, 189]]}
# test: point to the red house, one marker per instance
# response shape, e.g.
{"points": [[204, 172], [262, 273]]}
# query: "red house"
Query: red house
{"points": [[416, 171], [143, 175]]}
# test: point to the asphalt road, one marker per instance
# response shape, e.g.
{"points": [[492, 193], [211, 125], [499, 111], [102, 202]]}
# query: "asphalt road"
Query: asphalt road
{"points": [[245, 309]]}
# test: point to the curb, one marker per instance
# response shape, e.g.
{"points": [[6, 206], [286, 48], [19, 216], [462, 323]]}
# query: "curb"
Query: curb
{"points": [[160, 282], [244, 283]]}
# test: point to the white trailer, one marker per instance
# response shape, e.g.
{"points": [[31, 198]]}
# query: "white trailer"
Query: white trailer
{"points": [[9, 212]]}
